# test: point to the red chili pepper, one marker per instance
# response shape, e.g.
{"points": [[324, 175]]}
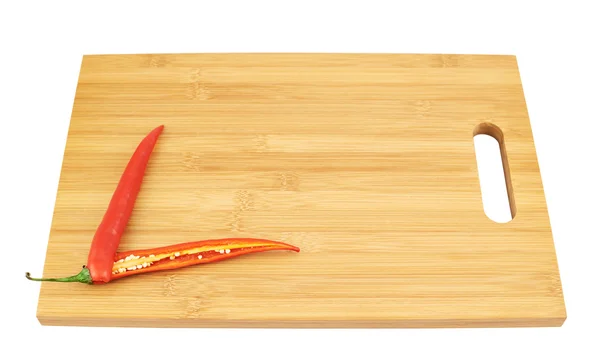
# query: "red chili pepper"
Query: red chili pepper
{"points": [[104, 264], [129, 263], [108, 235], [191, 253], [109, 232]]}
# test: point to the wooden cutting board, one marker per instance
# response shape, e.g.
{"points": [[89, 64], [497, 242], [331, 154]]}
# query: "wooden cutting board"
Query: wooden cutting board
{"points": [[365, 162]]}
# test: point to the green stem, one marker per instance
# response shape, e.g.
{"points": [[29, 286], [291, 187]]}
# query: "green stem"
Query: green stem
{"points": [[84, 277]]}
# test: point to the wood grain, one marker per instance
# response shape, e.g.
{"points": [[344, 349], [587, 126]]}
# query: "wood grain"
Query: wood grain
{"points": [[364, 161]]}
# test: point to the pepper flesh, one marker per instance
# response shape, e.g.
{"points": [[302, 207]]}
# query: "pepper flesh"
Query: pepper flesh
{"points": [[190, 253]]}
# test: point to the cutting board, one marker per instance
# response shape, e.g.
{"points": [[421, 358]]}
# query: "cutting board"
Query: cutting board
{"points": [[364, 161]]}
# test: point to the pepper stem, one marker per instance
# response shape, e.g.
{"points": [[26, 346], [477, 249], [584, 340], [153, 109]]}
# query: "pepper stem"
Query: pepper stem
{"points": [[84, 277]]}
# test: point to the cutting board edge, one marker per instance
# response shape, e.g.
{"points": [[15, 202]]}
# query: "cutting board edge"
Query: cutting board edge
{"points": [[556, 321]]}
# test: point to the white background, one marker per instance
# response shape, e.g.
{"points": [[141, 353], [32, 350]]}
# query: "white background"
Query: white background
{"points": [[41, 45]]}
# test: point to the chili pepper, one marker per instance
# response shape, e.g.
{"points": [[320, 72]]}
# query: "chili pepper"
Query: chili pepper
{"points": [[190, 253], [108, 234], [181, 255], [105, 264]]}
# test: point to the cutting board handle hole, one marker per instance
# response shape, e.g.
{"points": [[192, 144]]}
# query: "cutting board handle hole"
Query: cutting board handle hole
{"points": [[494, 173]]}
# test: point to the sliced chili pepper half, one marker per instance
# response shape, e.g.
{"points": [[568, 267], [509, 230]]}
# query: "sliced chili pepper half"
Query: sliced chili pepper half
{"points": [[129, 263]]}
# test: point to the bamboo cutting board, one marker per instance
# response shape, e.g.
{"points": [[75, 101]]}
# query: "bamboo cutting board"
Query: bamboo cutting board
{"points": [[365, 162]]}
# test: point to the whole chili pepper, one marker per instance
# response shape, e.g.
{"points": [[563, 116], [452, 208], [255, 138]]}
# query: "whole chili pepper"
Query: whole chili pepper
{"points": [[108, 234], [105, 264]]}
